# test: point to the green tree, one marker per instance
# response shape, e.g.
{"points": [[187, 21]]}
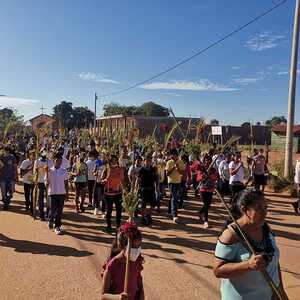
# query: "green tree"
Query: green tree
{"points": [[153, 109], [63, 114], [11, 124], [68, 117], [82, 117], [214, 122], [146, 109], [276, 121]]}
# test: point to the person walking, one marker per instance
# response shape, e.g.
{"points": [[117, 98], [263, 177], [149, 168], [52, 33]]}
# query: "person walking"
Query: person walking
{"points": [[101, 165], [207, 178], [91, 163], [148, 183], [235, 263], [115, 268], [237, 175], [39, 169], [57, 184], [225, 175], [175, 170], [258, 170], [28, 179], [8, 176], [113, 178], [296, 204], [80, 173]]}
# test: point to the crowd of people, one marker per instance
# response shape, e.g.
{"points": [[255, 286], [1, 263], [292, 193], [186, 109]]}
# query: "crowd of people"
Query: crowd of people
{"points": [[99, 177]]}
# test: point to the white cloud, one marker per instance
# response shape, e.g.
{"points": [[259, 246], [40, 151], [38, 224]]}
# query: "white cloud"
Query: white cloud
{"points": [[235, 67], [200, 85], [16, 102], [172, 94], [246, 80], [264, 41], [96, 77], [286, 72]]}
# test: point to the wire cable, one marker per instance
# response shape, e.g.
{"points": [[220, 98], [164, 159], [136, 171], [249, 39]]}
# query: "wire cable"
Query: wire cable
{"points": [[184, 61]]}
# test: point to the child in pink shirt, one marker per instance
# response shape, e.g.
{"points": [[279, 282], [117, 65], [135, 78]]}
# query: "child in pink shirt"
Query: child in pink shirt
{"points": [[114, 269]]}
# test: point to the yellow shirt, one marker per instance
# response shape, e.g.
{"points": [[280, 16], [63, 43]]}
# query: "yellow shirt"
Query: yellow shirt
{"points": [[175, 176]]}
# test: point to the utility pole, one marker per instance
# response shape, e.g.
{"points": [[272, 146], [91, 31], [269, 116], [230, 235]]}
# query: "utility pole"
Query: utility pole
{"points": [[95, 112], [288, 164]]}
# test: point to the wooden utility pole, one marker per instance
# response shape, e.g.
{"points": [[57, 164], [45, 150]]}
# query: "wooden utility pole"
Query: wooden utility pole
{"points": [[292, 93]]}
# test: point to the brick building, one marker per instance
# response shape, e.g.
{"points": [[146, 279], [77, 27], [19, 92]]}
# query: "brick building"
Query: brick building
{"points": [[43, 120], [146, 125]]}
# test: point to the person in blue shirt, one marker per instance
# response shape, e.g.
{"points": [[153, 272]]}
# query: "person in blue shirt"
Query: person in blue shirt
{"points": [[235, 264]]}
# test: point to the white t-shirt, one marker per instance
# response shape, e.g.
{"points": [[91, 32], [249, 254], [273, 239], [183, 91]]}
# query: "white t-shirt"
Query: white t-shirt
{"points": [[219, 158], [239, 176], [28, 177], [65, 163], [224, 170], [91, 166], [297, 172], [56, 181], [39, 166]]}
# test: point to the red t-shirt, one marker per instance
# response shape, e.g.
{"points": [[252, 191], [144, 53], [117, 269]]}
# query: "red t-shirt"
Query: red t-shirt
{"points": [[117, 267], [114, 181], [212, 175]]}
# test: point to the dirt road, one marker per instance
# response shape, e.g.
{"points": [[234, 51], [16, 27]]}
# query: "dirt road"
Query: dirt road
{"points": [[37, 264]]}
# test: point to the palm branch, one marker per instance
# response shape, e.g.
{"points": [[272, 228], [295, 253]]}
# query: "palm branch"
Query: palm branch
{"points": [[170, 134]]}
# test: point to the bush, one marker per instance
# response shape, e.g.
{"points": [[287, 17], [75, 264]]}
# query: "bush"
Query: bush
{"points": [[277, 180]]}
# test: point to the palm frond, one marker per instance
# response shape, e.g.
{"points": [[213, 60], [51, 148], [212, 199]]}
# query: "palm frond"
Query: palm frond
{"points": [[170, 134], [178, 124], [229, 143], [130, 201]]}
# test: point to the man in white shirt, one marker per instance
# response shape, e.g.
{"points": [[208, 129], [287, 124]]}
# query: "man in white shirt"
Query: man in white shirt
{"points": [[57, 184], [39, 170], [28, 180], [237, 174], [65, 162], [91, 163], [225, 175], [296, 204]]}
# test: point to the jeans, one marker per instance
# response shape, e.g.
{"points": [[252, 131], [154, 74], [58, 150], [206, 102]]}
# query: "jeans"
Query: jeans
{"points": [[175, 189], [160, 194], [99, 197], [7, 189], [206, 198], [235, 188], [28, 193], [110, 200], [42, 189], [91, 185], [56, 209]]}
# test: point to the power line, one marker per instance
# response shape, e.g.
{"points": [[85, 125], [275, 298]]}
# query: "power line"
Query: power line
{"points": [[184, 61]]}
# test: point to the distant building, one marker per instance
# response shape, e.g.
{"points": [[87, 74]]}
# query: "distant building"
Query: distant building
{"points": [[190, 126], [279, 138], [41, 121]]}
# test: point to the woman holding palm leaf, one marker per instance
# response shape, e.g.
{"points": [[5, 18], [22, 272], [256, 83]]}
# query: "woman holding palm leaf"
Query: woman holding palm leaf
{"points": [[113, 178]]}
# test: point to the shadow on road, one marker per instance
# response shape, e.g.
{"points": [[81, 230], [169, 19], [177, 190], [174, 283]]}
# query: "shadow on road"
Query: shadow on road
{"points": [[23, 246]]}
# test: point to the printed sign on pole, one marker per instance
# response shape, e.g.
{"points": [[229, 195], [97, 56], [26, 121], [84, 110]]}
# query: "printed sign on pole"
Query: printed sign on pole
{"points": [[216, 130]]}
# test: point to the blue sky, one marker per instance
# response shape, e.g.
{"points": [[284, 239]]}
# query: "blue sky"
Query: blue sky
{"points": [[68, 49]]}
